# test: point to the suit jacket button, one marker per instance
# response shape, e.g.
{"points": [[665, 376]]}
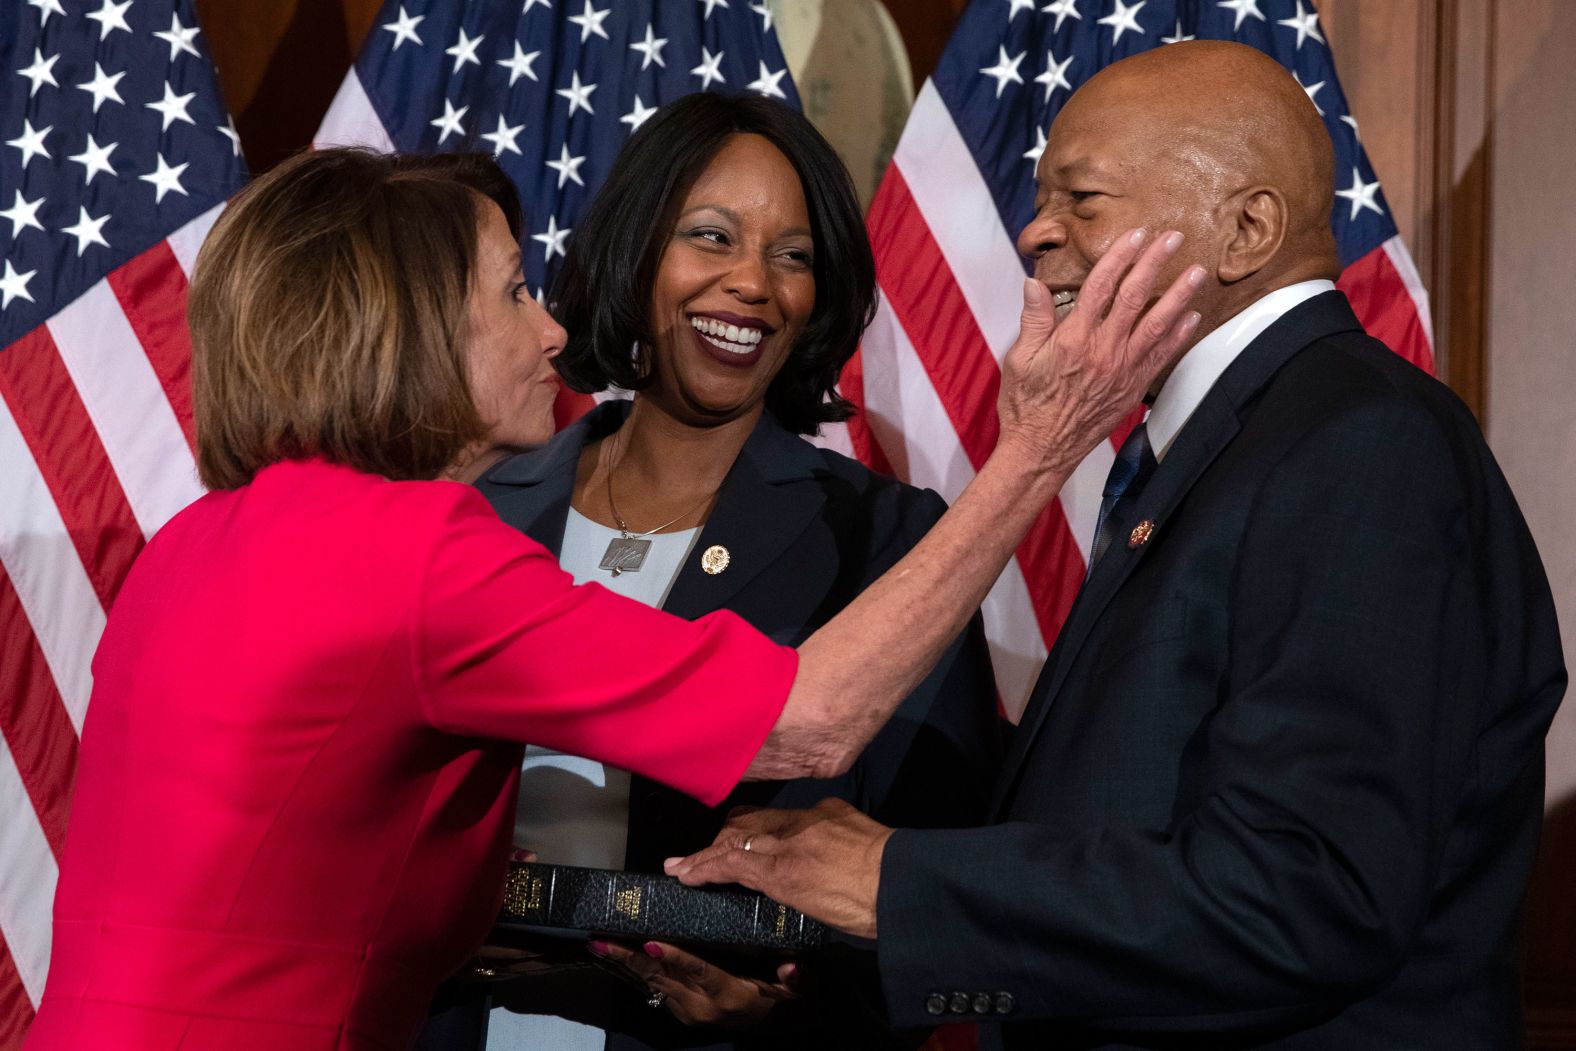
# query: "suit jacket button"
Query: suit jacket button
{"points": [[983, 1003], [960, 1003], [1005, 1003], [935, 1004]]}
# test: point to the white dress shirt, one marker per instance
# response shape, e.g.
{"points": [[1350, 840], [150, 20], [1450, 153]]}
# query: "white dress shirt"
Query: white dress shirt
{"points": [[1201, 366]]}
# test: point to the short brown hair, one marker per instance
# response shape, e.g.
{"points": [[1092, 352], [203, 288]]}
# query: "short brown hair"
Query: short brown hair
{"points": [[328, 315]]}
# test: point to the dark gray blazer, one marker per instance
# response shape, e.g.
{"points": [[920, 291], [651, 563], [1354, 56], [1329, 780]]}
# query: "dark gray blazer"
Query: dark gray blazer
{"points": [[1280, 783], [807, 531]]}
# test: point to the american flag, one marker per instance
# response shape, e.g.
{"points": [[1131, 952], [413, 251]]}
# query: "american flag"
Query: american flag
{"points": [[551, 88], [118, 154], [943, 223]]}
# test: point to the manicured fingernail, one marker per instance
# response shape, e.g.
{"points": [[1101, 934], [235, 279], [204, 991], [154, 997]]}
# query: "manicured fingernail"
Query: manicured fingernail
{"points": [[791, 974], [1195, 276], [1136, 237], [1190, 322], [653, 950], [1173, 241], [596, 948]]}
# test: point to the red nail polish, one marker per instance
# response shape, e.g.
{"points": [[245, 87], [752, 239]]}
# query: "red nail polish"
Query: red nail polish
{"points": [[653, 950], [597, 948]]}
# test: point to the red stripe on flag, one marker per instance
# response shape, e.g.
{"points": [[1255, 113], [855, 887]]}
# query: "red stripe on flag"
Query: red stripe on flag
{"points": [[851, 384], [16, 1010], [1382, 303], [151, 289], [569, 406], [918, 282], [36, 387], [34, 722]]}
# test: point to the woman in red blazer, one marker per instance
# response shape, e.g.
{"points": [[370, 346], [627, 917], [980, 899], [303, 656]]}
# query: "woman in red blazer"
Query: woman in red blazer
{"points": [[294, 795]]}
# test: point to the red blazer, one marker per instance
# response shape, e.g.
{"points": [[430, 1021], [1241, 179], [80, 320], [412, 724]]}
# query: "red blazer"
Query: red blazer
{"points": [[294, 798]]}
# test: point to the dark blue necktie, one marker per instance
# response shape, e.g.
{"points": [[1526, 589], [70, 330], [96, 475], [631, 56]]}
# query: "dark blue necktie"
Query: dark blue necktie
{"points": [[1134, 463]]}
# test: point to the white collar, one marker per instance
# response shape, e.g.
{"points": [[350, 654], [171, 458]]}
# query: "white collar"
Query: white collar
{"points": [[1201, 366]]}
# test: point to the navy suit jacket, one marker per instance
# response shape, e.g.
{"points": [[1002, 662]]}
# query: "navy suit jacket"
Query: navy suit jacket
{"points": [[1280, 782], [807, 530]]}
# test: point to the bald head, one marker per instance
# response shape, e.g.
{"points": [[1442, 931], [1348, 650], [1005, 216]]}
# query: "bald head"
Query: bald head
{"points": [[1208, 137]]}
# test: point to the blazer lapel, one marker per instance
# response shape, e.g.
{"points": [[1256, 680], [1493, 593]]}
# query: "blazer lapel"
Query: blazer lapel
{"points": [[1208, 431], [532, 491], [767, 500]]}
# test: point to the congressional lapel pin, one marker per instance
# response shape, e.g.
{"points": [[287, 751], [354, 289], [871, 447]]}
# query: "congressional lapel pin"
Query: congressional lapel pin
{"points": [[715, 559], [1141, 534]]}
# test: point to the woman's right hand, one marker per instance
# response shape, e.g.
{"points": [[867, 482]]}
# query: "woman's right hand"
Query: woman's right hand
{"points": [[1066, 384]]}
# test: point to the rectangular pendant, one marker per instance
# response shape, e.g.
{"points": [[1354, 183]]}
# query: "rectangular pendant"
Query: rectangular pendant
{"points": [[624, 555]]}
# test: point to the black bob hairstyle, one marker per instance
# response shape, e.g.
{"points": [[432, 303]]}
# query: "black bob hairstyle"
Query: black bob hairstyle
{"points": [[602, 294]]}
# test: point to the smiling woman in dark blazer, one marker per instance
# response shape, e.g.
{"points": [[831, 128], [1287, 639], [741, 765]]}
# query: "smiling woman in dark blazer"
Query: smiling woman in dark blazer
{"points": [[727, 249]]}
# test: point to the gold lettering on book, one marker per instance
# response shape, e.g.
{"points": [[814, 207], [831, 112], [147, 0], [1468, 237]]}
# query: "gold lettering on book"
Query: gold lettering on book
{"points": [[522, 892], [782, 921], [626, 902]]}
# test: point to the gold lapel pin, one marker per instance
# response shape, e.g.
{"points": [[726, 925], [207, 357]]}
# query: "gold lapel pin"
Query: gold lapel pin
{"points": [[715, 560], [1141, 533]]}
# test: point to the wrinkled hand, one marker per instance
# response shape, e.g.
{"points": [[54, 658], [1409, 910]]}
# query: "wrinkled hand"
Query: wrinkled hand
{"points": [[698, 992], [825, 861], [1066, 384]]}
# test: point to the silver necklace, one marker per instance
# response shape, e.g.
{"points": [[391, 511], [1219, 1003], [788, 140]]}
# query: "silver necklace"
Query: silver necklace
{"points": [[626, 553]]}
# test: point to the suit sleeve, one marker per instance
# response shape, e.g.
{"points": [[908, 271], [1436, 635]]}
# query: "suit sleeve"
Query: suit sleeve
{"points": [[507, 646], [1327, 778]]}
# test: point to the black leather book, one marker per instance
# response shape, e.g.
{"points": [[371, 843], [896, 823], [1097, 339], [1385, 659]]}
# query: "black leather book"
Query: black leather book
{"points": [[566, 900]]}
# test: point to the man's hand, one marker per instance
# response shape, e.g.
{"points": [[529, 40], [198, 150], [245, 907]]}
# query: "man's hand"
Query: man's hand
{"points": [[825, 861], [695, 990], [1066, 383]]}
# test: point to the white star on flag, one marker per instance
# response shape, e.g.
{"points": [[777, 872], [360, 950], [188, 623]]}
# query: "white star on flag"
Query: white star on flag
{"points": [[1178, 36], [709, 70], [554, 238], [1243, 8], [110, 17], [1310, 90], [712, 5], [767, 82], [1306, 23], [180, 38], [766, 16], [650, 48], [520, 64], [40, 72], [94, 159], [1063, 10], [532, 3], [31, 142], [47, 8], [590, 21], [102, 87], [14, 285], [578, 94], [1361, 194], [165, 179], [173, 107], [1035, 152], [1018, 5], [1122, 19], [449, 123], [404, 28], [227, 129], [87, 230], [1006, 69], [1347, 118], [567, 167], [464, 49], [637, 116], [1055, 75], [23, 214], [503, 138]]}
